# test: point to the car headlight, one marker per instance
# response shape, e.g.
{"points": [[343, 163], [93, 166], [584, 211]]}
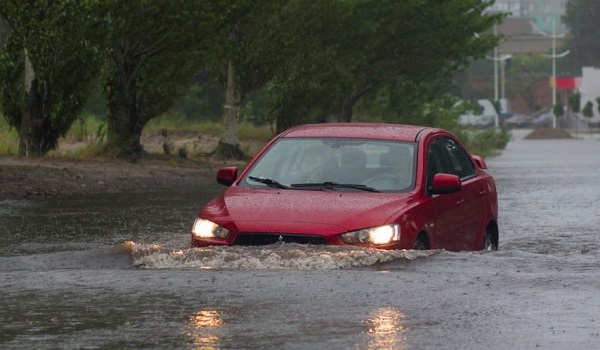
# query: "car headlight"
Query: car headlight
{"points": [[374, 235], [207, 229]]}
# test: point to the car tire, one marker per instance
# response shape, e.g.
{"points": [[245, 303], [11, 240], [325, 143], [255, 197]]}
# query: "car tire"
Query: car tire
{"points": [[489, 243], [421, 243]]}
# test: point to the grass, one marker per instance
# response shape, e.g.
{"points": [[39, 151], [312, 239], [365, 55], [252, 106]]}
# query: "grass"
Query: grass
{"points": [[91, 130], [9, 138], [87, 128], [177, 123], [247, 131]]}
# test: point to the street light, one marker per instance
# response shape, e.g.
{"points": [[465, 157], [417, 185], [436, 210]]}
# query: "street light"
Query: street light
{"points": [[554, 56], [497, 59]]}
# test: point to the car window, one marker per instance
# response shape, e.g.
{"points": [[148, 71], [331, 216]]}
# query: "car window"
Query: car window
{"points": [[383, 165], [435, 160], [460, 162]]}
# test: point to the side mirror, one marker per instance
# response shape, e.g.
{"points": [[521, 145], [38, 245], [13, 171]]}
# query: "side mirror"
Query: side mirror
{"points": [[226, 176], [445, 183], [479, 161]]}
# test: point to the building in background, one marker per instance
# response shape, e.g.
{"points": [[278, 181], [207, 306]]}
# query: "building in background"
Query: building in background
{"points": [[512, 7], [527, 30], [543, 12]]}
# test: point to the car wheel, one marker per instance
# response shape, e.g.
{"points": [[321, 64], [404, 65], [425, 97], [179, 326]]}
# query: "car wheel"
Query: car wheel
{"points": [[421, 243], [488, 241]]}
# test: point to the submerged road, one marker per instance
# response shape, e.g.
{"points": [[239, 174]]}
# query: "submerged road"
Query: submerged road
{"points": [[68, 282]]}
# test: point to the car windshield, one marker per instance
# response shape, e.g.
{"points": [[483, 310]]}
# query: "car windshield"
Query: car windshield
{"points": [[335, 164]]}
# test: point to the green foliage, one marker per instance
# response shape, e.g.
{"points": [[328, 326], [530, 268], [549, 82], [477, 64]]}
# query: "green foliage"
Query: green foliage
{"points": [[255, 109], [88, 127], [149, 63], [8, 138], [575, 102], [57, 42], [295, 61], [202, 100], [558, 109], [250, 131], [247, 33], [167, 148], [588, 109], [179, 122], [249, 41], [182, 152], [343, 50], [487, 142], [532, 65], [247, 130], [12, 96]]}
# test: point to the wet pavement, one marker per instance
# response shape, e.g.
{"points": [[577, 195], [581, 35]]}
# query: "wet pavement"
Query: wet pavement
{"points": [[115, 271]]}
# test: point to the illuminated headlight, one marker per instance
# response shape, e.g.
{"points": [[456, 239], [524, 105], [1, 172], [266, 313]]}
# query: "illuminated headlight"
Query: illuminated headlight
{"points": [[208, 229], [374, 235]]}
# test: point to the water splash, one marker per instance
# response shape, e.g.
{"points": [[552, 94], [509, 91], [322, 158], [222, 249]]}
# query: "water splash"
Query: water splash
{"points": [[284, 256]]}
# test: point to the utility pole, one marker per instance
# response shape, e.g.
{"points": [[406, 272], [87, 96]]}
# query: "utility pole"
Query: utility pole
{"points": [[497, 59], [554, 56]]}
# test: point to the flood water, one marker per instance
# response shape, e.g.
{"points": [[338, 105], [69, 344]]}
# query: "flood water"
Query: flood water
{"points": [[115, 271]]}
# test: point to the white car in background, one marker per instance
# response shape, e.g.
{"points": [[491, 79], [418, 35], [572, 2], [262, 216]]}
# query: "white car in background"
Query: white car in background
{"points": [[486, 119]]}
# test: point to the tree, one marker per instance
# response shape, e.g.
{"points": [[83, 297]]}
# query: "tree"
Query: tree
{"points": [[305, 88], [588, 112], [153, 51], [357, 47], [558, 109], [244, 58], [47, 67], [575, 102], [582, 20], [588, 109]]}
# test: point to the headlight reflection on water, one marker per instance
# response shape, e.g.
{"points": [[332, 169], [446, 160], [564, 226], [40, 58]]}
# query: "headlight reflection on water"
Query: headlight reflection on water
{"points": [[204, 334], [386, 329]]}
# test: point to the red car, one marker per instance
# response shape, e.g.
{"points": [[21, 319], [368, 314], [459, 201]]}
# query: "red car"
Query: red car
{"points": [[375, 185]]}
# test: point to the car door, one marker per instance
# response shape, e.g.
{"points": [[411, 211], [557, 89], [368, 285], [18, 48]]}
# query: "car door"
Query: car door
{"points": [[446, 214], [470, 202]]}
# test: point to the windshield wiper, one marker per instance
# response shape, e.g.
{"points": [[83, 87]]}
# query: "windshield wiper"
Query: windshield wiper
{"points": [[269, 182], [330, 184]]}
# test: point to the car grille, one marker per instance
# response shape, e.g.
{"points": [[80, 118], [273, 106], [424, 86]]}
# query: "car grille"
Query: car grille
{"points": [[273, 238]]}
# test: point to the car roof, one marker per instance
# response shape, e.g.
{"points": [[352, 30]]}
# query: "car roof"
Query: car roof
{"points": [[396, 132]]}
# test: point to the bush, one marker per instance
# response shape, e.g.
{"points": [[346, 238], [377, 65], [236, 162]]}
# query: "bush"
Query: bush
{"points": [[183, 153]]}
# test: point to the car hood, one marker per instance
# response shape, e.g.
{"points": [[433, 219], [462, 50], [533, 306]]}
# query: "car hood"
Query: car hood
{"points": [[302, 211]]}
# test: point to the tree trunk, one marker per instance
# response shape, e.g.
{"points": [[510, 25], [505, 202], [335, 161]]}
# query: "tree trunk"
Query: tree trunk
{"points": [[229, 145], [345, 113], [33, 138], [124, 128], [347, 107], [284, 121], [124, 134]]}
